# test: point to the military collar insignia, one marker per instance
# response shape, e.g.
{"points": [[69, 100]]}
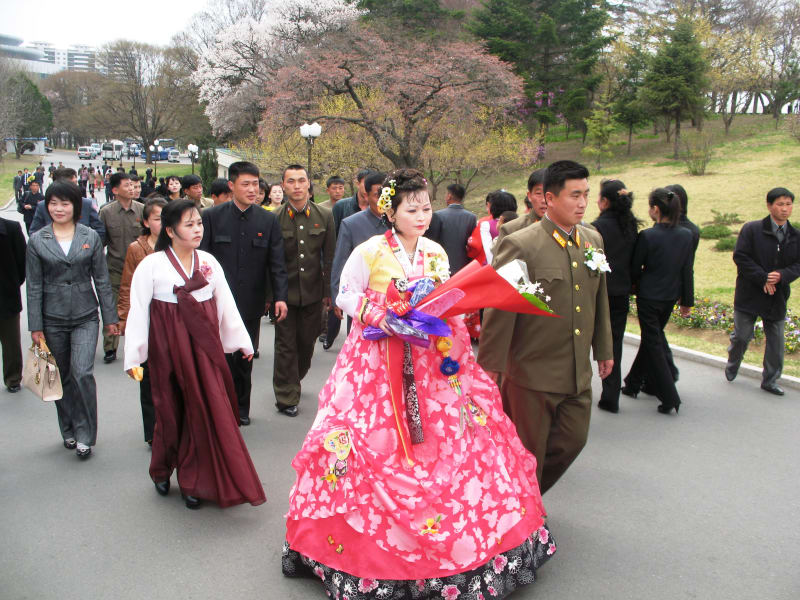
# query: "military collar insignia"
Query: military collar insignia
{"points": [[562, 242], [293, 212]]}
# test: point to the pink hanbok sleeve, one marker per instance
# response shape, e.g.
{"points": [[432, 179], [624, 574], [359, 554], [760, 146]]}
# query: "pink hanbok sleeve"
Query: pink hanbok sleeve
{"points": [[353, 283], [137, 328], [232, 332]]}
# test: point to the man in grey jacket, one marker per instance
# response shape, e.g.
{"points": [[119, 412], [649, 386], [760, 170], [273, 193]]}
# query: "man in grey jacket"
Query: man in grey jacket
{"points": [[457, 225], [354, 230]]}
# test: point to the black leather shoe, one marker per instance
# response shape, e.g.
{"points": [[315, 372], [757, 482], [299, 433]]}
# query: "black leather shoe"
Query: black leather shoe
{"points": [[70, 444], [14, 388], [84, 454], [256, 354], [289, 411], [607, 407], [191, 501], [772, 389], [326, 345], [665, 410], [244, 420], [730, 373], [162, 487], [110, 356], [323, 339]]}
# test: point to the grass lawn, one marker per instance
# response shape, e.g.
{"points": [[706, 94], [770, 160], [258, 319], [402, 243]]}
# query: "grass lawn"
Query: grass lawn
{"points": [[8, 168], [753, 159]]}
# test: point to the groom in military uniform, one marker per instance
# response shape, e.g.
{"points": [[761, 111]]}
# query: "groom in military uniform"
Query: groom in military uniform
{"points": [[544, 362]]}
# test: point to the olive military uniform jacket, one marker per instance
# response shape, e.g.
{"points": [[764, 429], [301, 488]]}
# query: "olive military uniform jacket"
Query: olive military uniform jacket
{"points": [[309, 241], [551, 354]]}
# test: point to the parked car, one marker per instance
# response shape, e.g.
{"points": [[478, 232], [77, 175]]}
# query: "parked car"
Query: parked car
{"points": [[174, 156], [48, 149], [86, 152], [97, 148]]}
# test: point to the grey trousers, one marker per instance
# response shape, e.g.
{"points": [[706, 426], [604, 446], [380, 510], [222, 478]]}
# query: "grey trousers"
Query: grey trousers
{"points": [[74, 348], [743, 325]]}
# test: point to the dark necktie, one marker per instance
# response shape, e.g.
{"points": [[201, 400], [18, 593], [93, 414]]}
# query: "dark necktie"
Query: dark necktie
{"points": [[780, 234]]}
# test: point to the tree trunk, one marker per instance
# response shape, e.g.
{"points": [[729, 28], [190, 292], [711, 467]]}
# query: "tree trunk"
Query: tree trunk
{"points": [[677, 134], [630, 138]]}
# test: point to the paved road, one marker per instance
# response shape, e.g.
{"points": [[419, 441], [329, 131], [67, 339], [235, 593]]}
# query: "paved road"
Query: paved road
{"points": [[702, 505]]}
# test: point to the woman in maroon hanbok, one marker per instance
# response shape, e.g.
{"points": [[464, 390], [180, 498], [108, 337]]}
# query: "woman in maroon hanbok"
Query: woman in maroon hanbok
{"points": [[183, 320]]}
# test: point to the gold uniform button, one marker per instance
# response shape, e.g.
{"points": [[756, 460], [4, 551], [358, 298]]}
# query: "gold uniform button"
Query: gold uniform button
{"points": [[577, 309], [577, 287], [574, 264], [577, 332], [301, 226], [302, 256], [302, 241], [569, 244]]}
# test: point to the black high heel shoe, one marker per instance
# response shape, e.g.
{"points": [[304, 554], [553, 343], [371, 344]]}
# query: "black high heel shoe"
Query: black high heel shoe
{"points": [[665, 410], [630, 391], [162, 487]]}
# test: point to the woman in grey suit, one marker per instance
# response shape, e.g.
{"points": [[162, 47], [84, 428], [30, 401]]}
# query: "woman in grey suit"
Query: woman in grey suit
{"points": [[63, 260]]}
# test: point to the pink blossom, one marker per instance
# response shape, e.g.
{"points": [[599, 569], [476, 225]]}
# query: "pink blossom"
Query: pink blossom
{"points": [[492, 591], [544, 535], [420, 584], [366, 585], [319, 573], [450, 592], [479, 596], [551, 549], [499, 563]]}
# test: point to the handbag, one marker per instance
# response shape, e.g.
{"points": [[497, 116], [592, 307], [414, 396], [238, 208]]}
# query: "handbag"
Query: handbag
{"points": [[41, 375]]}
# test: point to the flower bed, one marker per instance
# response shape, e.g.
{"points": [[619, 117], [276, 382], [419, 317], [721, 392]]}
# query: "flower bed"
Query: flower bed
{"points": [[710, 314]]}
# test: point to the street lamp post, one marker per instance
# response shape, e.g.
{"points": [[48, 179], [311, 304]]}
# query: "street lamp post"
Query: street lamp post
{"points": [[192, 148], [310, 133], [153, 149]]}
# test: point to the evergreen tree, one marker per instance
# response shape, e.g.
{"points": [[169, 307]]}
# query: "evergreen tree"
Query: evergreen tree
{"points": [[628, 108], [600, 126], [675, 84], [554, 46], [32, 115], [208, 168]]}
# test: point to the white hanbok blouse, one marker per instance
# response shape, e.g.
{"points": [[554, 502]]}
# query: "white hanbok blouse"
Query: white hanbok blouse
{"points": [[155, 278]]}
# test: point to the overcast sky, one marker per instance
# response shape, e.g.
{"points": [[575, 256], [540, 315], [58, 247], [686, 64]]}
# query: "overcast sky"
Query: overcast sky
{"points": [[67, 22]]}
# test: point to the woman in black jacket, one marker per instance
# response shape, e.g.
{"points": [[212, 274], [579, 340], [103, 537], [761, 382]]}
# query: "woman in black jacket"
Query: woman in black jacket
{"points": [[661, 268], [619, 228]]}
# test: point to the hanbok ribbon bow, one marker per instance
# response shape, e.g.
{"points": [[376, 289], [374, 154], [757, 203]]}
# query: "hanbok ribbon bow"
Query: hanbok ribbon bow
{"points": [[410, 324]]}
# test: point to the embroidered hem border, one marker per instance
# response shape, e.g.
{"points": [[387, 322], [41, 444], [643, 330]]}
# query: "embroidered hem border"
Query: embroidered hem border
{"points": [[499, 577]]}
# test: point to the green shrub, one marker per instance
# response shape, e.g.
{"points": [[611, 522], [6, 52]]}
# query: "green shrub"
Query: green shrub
{"points": [[726, 244], [721, 218], [715, 232], [698, 151]]}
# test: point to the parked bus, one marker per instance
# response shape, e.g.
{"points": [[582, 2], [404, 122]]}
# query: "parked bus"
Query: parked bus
{"points": [[113, 150]]}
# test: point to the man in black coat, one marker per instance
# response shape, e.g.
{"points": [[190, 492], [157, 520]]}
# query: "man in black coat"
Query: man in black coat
{"points": [[28, 203], [12, 276], [247, 242], [457, 225], [767, 258]]}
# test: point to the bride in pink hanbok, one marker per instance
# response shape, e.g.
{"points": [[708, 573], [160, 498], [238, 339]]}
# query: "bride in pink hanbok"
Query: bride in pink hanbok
{"points": [[412, 482]]}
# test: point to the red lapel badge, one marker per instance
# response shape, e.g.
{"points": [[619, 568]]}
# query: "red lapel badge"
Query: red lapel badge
{"points": [[260, 234], [85, 246], [316, 224]]}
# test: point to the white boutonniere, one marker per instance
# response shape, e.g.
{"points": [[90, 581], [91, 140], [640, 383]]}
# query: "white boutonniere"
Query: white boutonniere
{"points": [[596, 260]]}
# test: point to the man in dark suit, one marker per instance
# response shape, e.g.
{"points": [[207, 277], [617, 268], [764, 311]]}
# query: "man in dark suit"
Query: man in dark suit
{"points": [[89, 216], [309, 239], [28, 203], [12, 276], [767, 258], [457, 225], [247, 242], [18, 185], [350, 206]]}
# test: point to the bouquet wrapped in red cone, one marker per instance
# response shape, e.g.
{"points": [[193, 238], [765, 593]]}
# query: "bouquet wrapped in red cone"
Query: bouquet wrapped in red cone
{"points": [[507, 288]]}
